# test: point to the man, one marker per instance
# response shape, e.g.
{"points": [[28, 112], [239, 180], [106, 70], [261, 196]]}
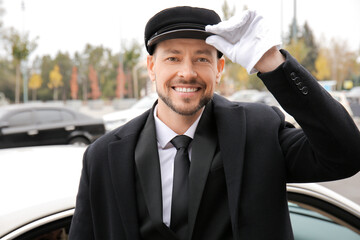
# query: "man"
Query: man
{"points": [[136, 184]]}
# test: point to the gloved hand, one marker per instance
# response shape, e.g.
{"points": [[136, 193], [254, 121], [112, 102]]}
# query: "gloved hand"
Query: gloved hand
{"points": [[243, 39]]}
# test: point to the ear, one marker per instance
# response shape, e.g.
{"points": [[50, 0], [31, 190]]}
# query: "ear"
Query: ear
{"points": [[220, 68], [150, 61]]}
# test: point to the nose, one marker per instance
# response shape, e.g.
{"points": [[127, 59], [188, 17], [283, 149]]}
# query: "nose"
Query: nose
{"points": [[187, 70]]}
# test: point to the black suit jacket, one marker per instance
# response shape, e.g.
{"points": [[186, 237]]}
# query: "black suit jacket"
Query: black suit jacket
{"points": [[259, 150]]}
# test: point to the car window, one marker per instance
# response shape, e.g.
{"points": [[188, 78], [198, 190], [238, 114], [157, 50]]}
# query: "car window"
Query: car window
{"points": [[20, 119], [308, 223], [57, 234], [48, 116], [67, 116], [56, 230]]}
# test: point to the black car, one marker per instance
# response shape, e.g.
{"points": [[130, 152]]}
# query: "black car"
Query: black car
{"points": [[32, 125]]}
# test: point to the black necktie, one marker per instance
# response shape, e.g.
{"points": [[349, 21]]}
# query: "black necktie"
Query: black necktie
{"points": [[179, 206]]}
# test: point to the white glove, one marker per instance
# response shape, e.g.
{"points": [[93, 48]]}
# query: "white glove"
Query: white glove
{"points": [[243, 39]]}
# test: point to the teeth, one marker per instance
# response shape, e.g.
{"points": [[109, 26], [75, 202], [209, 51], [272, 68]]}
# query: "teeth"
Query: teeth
{"points": [[186, 89]]}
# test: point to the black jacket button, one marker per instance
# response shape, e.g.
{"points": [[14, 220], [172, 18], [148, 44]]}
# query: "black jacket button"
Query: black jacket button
{"points": [[293, 75], [305, 90]]}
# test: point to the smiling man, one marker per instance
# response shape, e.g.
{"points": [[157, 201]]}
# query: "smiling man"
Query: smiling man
{"points": [[196, 166], [186, 72]]}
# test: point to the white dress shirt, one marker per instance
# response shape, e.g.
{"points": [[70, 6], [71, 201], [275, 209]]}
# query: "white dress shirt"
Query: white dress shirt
{"points": [[167, 154]]}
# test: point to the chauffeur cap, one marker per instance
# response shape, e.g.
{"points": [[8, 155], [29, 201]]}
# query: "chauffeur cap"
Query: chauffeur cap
{"points": [[179, 22]]}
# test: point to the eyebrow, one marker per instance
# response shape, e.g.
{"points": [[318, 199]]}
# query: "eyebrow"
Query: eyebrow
{"points": [[204, 52], [172, 51], [197, 52]]}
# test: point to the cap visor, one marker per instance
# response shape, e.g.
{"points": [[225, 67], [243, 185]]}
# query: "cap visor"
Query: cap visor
{"points": [[179, 33]]}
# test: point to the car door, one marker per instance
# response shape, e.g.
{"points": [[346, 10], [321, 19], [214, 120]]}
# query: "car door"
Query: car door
{"points": [[51, 128], [19, 131]]}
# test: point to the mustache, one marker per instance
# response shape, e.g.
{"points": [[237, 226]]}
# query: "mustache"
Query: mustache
{"points": [[192, 81]]}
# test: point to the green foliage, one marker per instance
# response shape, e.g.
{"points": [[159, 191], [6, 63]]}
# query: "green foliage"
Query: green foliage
{"points": [[303, 46], [7, 79], [298, 49], [65, 64], [131, 55], [309, 61], [20, 46], [322, 67]]}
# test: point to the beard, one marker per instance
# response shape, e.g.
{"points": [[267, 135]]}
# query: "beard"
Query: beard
{"points": [[188, 111], [185, 112]]}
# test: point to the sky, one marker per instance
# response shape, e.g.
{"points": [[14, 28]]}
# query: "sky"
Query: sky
{"points": [[68, 25]]}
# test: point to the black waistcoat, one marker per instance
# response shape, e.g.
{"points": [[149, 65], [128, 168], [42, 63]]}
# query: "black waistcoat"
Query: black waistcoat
{"points": [[211, 219]]}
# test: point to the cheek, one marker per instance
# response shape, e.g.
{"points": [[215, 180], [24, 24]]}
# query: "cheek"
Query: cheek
{"points": [[210, 75]]}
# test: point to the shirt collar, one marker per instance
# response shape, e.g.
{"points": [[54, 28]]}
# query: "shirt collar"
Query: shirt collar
{"points": [[164, 134]]}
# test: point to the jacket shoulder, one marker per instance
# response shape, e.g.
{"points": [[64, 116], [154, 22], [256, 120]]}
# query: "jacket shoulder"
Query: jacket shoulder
{"points": [[130, 129]]}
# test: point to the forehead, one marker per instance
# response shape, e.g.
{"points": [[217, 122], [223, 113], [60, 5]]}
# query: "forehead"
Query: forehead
{"points": [[182, 45]]}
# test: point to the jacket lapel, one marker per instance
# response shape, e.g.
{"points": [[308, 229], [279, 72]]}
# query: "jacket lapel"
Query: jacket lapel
{"points": [[121, 157], [231, 124], [203, 150], [122, 173], [149, 173], [148, 168]]}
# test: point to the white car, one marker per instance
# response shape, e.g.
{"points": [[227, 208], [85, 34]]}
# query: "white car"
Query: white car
{"points": [[118, 118], [245, 95], [341, 98], [39, 186]]}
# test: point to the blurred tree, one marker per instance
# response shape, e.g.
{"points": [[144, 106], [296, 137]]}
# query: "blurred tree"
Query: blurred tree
{"points": [[309, 61], [104, 63], [55, 81], [74, 87], [65, 64], [6, 76], [322, 66], [46, 65], [341, 61], [120, 82], [297, 49], [256, 83], [108, 73], [95, 56], [130, 58], [229, 80], [21, 48], [34, 84], [290, 37], [227, 12], [80, 62], [7, 79], [94, 84], [302, 46], [109, 86]]}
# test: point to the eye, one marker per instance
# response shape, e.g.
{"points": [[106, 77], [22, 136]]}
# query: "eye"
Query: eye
{"points": [[172, 59], [203, 60]]}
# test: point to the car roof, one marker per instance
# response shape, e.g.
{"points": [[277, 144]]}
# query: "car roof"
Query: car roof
{"points": [[322, 193], [5, 110], [36, 182]]}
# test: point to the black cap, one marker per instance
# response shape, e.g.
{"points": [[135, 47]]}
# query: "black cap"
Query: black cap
{"points": [[179, 22]]}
